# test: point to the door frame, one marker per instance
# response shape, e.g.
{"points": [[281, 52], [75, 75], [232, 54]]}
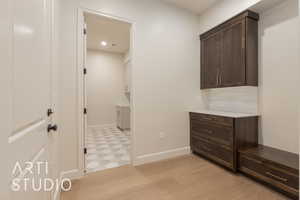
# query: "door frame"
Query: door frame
{"points": [[80, 84]]}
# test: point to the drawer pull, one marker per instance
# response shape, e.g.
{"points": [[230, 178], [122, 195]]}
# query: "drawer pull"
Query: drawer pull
{"points": [[253, 160], [206, 118], [276, 177]]}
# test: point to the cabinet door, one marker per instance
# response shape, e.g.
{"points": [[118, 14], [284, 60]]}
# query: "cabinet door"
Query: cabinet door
{"points": [[210, 61], [233, 67]]}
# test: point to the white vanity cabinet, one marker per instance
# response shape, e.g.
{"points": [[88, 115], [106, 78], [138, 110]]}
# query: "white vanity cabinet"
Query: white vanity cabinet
{"points": [[123, 117]]}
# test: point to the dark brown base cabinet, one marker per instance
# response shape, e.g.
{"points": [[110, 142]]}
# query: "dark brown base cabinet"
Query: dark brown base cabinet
{"points": [[218, 137], [233, 143], [277, 168]]}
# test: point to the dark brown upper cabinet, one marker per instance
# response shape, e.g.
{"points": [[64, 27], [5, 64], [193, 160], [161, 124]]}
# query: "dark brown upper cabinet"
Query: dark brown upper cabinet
{"points": [[229, 53]]}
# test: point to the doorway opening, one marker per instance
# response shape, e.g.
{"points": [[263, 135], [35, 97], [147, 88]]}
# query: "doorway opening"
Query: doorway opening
{"points": [[107, 93]]}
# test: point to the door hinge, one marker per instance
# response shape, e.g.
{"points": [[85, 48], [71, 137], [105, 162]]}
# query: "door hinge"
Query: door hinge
{"points": [[84, 71], [84, 31], [85, 151], [85, 111]]}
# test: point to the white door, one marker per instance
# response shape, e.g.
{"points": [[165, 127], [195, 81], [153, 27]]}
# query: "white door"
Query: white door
{"points": [[29, 96]]}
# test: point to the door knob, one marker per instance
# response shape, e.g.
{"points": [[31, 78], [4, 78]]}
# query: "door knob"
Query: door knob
{"points": [[52, 128]]}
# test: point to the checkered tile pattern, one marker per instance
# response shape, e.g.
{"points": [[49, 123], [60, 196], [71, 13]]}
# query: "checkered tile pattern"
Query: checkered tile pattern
{"points": [[107, 147]]}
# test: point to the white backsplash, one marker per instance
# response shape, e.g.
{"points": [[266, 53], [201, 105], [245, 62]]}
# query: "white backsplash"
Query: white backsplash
{"points": [[234, 99]]}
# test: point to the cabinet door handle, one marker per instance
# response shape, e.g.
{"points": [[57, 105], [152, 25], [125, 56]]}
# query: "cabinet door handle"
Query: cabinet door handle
{"points": [[276, 177], [243, 43], [207, 118]]}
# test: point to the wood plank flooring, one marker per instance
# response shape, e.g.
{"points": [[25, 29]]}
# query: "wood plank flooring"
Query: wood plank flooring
{"points": [[183, 178]]}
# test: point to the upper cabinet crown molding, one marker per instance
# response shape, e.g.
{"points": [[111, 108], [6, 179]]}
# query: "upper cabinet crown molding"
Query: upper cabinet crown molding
{"points": [[229, 53]]}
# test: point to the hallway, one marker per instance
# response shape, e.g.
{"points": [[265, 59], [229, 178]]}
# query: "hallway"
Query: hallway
{"points": [[107, 147]]}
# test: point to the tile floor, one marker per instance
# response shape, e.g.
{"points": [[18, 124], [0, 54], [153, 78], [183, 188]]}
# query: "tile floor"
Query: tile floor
{"points": [[107, 147]]}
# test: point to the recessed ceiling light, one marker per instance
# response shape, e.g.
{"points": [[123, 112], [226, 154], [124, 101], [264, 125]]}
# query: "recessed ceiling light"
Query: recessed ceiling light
{"points": [[104, 43]]}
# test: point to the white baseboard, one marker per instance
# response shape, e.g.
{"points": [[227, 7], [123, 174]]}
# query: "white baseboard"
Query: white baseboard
{"points": [[71, 174], [148, 158], [102, 125]]}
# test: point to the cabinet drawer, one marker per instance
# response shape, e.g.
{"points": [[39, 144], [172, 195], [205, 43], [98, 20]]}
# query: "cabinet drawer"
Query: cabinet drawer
{"points": [[275, 176], [220, 134], [213, 151], [225, 121]]}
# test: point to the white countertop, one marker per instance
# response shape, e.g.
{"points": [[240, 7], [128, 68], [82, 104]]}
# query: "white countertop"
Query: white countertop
{"points": [[223, 113]]}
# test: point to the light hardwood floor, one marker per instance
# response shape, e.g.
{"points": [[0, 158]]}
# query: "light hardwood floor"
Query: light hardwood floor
{"points": [[183, 178]]}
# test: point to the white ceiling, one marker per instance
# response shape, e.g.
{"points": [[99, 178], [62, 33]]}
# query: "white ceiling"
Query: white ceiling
{"points": [[115, 33], [196, 6]]}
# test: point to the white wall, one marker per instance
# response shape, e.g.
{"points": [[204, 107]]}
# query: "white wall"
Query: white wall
{"points": [[165, 73], [280, 76], [105, 86], [6, 100], [299, 104], [275, 98], [222, 11]]}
